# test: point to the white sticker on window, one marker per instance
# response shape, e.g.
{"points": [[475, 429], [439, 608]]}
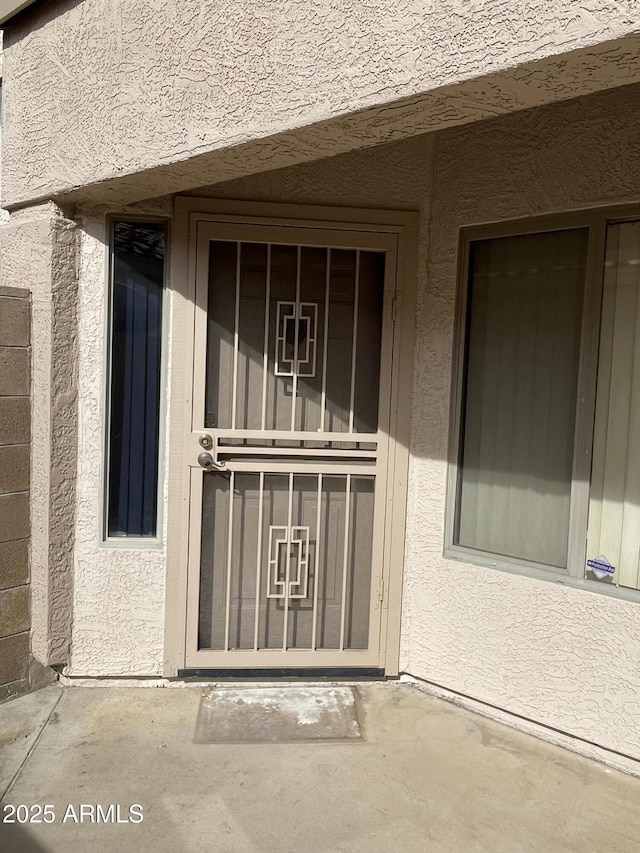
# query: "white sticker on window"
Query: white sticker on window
{"points": [[601, 567]]}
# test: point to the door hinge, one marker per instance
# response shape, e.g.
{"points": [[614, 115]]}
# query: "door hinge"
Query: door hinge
{"points": [[381, 590]]}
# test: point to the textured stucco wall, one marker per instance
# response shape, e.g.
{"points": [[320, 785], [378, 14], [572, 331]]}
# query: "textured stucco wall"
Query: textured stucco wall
{"points": [[118, 626], [562, 657], [119, 591], [195, 92], [39, 254]]}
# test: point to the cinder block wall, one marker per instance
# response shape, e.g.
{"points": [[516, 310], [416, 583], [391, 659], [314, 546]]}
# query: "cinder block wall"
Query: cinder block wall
{"points": [[14, 491], [17, 673]]}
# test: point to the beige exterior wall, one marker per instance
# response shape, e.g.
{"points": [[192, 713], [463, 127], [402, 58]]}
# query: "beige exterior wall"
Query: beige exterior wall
{"points": [[118, 606], [99, 93], [39, 256], [562, 657], [565, 658]]}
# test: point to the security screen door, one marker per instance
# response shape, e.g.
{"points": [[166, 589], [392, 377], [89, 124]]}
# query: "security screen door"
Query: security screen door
{"points": [[288, 448]]}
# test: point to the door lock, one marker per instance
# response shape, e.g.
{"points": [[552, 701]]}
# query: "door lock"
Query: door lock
{"points": [[206, 461]]}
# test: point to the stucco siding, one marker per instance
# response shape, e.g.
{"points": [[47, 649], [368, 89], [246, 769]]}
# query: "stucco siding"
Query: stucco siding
{"points": [[119, 590], [39, 255], [196, 92], [563, 657]]}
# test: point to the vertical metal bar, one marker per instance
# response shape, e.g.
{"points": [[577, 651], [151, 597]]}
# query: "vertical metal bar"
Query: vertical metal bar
{"points": [[355, 341], [256, 626], [152, 397], [294, 388], [229, 555], [127, 408], [323, 398], [265, 357], [287, 574], [314, 624], [236, 340], [345, 560]]}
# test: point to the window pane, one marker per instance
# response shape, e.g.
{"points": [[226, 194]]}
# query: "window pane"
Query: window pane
{"points": [[522, 349], [136, 324], [613, 543]]}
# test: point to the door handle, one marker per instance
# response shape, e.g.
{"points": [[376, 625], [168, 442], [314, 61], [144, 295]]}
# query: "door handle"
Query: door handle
{"points": [[209, 461], [206, 461]]}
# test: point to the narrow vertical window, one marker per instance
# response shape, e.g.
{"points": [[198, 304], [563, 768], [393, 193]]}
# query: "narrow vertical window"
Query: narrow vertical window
{"points": [[137, 285]]}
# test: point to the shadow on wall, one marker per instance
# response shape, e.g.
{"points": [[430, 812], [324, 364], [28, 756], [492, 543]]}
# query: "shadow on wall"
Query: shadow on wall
{"points": [[524, 312], [33, 17], [525, 306], [518, 422]]}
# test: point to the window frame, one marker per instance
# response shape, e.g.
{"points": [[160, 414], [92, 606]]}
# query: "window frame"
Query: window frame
{"points": [[133, 542], [596, 221]]}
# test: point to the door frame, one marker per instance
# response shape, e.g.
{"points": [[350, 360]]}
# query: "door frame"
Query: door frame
{"points": [[188, 212]]}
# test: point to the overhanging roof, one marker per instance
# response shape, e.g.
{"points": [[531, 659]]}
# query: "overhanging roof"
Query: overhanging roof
{"points": [[9, 8]]}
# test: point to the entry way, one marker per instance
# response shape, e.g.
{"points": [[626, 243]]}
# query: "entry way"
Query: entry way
{"points": [[288, 447]]}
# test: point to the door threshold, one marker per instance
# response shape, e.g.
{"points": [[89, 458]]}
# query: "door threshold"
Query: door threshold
{"points": [[306, 674]]}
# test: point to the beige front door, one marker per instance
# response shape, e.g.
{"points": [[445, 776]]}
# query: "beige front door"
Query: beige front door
{"points": [[287, 448]]}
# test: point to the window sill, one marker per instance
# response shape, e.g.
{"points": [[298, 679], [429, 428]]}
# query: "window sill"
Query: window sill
{"points": [[536, 571], [132, 543]]}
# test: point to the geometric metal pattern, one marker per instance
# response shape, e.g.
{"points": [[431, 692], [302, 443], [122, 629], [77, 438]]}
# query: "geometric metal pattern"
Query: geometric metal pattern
{"points": [[291, 482], [287, 542], [296, 325]]}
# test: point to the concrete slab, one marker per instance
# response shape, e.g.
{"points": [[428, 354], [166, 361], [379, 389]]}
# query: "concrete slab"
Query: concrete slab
{"points": [[429, 777], [277, 714], [21, 721]]}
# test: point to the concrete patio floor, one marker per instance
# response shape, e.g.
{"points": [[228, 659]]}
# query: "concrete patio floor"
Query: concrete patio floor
{"points": [[428, 777]]}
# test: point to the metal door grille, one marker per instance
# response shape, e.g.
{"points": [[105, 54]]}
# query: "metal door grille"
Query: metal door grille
{"points": [[286, 563], [286, 554]]}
